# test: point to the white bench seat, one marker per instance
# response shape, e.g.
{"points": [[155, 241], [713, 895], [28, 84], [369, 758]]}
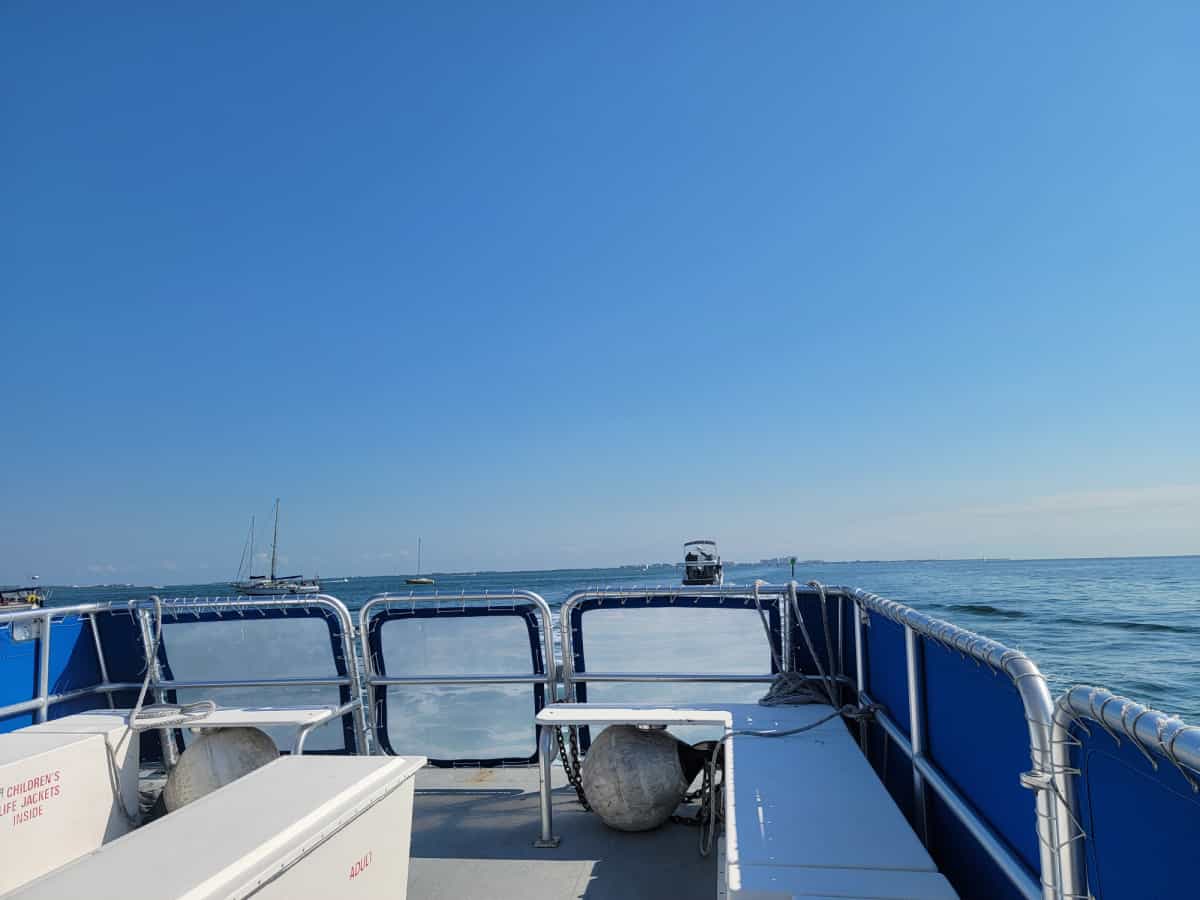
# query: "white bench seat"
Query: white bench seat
{"points": [[808, 816], [812, 882]]}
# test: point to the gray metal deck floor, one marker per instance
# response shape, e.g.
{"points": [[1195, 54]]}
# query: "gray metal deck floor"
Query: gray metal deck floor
{"points": [[473, 833]]}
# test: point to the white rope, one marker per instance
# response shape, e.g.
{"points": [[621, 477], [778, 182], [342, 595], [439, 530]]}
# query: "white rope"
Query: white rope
{"points": [[163, 715]]}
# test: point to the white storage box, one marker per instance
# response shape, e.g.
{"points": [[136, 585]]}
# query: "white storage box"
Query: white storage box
{"points": [[299, 827], [123, 744], [57, 802]]}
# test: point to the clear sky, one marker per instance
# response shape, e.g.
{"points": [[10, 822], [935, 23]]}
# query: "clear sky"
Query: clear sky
{"points": [[565, 284]]}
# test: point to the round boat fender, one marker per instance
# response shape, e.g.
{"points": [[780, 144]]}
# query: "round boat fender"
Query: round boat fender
{"points": [[215, 759]]}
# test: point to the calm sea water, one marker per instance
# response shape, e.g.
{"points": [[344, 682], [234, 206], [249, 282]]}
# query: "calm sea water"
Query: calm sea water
{"points": [[1132, 625]]}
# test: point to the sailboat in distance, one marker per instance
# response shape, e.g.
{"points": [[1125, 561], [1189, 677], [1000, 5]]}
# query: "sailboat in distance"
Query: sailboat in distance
{"points": [[417, 579], [269, 585]]}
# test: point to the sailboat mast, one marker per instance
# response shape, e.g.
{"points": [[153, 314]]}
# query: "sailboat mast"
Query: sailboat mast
{"points": [[250, 564], [275, 539], [418, 556]]}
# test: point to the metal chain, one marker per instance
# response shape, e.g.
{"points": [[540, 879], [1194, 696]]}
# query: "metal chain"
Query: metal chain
{"points": [[571, 765], [704, 795]]}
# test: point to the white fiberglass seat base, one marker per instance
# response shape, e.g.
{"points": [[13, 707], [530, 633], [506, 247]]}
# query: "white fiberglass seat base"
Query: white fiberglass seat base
{"points": [[299, 827]]}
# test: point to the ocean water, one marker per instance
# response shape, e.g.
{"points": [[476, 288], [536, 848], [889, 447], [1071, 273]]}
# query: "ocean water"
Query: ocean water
{"points": [[1132, 625]]}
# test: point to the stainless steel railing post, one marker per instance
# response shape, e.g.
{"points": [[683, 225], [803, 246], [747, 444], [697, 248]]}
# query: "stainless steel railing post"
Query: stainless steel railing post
{"points": [[44, 667], [546, 752], [101, 662], [916, 727], [166, 736]]}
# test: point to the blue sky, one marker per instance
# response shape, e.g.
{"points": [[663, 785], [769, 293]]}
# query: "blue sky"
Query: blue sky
{"points": [[566, 284]]}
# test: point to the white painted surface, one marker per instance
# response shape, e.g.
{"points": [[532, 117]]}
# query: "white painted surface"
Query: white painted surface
{"points": [[301, 827], [785, 882], [124, 745], [263, 716], [595, 714], [812, 799], [56, 802]]}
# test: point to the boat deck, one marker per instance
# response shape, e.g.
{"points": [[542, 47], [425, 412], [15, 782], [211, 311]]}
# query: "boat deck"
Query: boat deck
{"points": [[473, 834]]}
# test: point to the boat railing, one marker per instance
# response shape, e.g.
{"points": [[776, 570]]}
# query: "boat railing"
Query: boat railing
{"points": [[1138, 769], [34, 625], [939, 704], [383, 608], [95, 661]]}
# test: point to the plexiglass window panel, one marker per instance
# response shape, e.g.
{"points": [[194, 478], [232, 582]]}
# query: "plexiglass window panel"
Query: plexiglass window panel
{"points": [[250, 649], [455, 721], [675, 639]]}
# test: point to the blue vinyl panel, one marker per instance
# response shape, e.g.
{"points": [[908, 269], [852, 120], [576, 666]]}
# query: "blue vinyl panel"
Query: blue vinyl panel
{"points": [[886, 668], [1142, 824], [962, 859], [18, 676], [978, 737], [810, 611], [72, 666]]}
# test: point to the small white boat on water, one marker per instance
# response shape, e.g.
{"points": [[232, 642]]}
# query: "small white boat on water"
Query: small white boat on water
{"points": [[702, 564], [419, 578], [270, 585]]}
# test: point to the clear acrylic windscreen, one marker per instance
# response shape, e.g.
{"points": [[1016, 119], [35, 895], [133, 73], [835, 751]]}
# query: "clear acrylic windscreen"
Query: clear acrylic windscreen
{"points": [[250, 649], [675, 639], [490, 721]]}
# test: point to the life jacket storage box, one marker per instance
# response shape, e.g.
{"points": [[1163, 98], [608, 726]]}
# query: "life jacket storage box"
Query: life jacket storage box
{"points": [[299, 827]]}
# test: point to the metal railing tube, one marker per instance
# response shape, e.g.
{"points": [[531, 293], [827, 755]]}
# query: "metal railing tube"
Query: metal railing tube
{"points": [[785, 628], [305, 731], [860, 674], [44, 666], [101, 662], [681, 677], [402, 680], [1055, 856], [1152, 731], [166, 736], [916, 727]]}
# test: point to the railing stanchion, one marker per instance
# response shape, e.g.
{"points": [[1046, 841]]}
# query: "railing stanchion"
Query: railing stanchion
{"points": [[101, 662], [166, 736], [916, 727], [44, 668], [860, 674]]}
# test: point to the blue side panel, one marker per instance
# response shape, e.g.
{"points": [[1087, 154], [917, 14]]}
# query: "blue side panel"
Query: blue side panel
{"points": [[1142, 825], [962, 859], [976, 734], [73, 665], [818, 627], [18, 676], [886, 668], [849, 611], [893, 768]]}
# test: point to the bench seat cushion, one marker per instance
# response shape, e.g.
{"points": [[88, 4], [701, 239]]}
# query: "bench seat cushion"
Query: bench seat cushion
{"points": [[809, 806]]}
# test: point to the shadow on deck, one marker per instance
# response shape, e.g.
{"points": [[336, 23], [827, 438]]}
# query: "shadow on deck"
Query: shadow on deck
{"points": [[473, 834]]}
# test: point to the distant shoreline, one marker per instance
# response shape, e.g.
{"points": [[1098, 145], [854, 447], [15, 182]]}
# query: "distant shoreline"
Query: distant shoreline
{"points": [[660, 566]]}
